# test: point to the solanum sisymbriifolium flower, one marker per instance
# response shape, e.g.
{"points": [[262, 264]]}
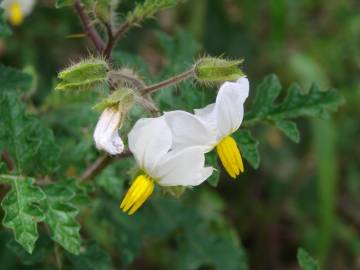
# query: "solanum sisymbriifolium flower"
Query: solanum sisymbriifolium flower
{"points": [[17, 10], [106, 134], [151, 142], [114, 110], [211, 127]]}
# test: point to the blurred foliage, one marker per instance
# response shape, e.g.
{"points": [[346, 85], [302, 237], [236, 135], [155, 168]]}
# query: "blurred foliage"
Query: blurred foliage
{"points": [[303, 194]]}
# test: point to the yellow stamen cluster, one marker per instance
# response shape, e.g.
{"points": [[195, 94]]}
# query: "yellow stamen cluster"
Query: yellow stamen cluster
{"points": [[230, 157], [140, 190], [16, 15]]}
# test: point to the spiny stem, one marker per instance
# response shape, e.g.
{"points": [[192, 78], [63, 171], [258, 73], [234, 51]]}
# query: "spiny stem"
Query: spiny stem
{"points": [[174, 80], [89, 29]]}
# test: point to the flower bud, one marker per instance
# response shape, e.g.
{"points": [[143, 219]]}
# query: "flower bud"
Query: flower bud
{"points": [[85, 74], [106, 135], [115, 108], [212, 69]]}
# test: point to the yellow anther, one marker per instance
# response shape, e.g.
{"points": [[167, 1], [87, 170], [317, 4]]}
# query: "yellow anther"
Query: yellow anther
{"points": [[139, 192], [16, 15], [230, 156]]}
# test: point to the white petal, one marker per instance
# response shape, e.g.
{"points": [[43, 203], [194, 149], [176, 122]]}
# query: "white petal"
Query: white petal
{"points": [[187, 130], [207, 113], [229, 107], [149, 140], [183, 168], [106, 135]]}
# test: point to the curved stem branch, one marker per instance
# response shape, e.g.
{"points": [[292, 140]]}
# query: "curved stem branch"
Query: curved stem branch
{"points": [[114, 38], [101, 163], [174, 80], [89, 29]]}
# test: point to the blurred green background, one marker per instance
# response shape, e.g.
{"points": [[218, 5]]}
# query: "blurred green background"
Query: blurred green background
{"points": [[305, 194]]}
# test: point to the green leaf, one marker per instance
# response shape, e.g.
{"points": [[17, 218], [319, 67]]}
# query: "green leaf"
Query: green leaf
{"points": [[25, 138], [306, 261], [290, 129], [212, 160], [248, 147], [22, 212], [64, 3], [5, 30], [148, 9], [93, 258], [297, 103], [61, 217], [14, 80]]}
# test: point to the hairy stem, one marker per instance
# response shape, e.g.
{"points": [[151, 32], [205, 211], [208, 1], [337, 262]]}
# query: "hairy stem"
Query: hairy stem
{"points": [[114, 38], [174, 80], [101, 163], [89, 29]]}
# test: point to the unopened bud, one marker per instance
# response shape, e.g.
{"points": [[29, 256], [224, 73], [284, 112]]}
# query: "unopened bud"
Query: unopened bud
{"points": [[83, 75], [212, 70], [115, 109]]}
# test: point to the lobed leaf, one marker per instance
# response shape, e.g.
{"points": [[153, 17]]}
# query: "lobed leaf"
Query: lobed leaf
{"points": [[22, 211], [297, 103], [61, 217], [248, 147], [25, 138]]}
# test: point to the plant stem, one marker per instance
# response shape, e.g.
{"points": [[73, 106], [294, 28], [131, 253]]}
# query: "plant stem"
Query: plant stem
{"points": [[101, 163], [58, 257], [174, 80], [89, 29], [114, 38]]}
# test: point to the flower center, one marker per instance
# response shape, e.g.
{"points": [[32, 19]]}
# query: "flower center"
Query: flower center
{"points": [[138, 193], [16, 15], [230, 156]]}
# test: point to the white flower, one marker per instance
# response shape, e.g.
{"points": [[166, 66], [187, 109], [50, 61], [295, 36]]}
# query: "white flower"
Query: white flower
{"points": [[213, 125], [106, 134], [150, 141], [16, 10]]}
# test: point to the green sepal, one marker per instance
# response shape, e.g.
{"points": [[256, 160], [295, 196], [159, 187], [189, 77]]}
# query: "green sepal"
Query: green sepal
{"points": [[175, 191], [213, 69], [85, 74], [124, 98]]}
